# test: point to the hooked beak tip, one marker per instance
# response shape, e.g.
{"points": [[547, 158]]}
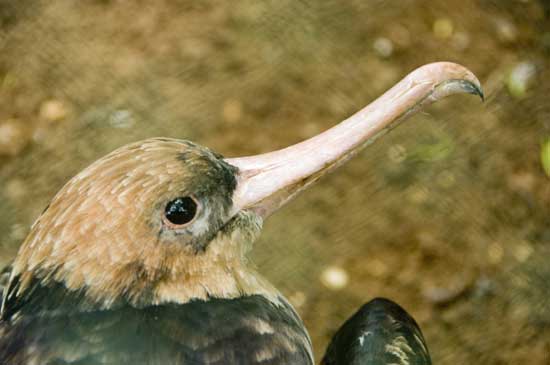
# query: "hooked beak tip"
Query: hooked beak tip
{"points": [[474, 89]]}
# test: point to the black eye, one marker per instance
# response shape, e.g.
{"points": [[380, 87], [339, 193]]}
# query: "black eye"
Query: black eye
{"points": [[181, 210]]}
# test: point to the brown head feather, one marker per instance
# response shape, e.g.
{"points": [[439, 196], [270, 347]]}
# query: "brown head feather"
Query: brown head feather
{"points": [[103, 234]]}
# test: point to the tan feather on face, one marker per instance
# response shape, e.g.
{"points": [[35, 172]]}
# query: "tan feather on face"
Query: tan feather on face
{"points": [[103, 233]]}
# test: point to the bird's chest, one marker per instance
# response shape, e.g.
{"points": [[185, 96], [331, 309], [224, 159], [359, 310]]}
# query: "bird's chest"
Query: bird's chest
{"points": [[247, 330]]}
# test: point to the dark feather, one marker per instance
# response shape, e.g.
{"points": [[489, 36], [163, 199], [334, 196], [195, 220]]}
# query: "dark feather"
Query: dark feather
{"points": [[380, 333], [247, 330]]}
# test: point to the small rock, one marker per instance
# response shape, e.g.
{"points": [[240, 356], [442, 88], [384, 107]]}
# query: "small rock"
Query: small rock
{"points": [[400, 35], [417, 195], [297, 299], [232, 110], [443, 28], [53, 110], [383, 47], [495, 253], [507, 32], [443, 296], [520, 311], [334, 278], [377, 268], [397, 153], [13, 137], [522, 181], [15, 189], [520, 79], [523, 251], [461, 41], [483, 287], [122, 119], [438, 149]]}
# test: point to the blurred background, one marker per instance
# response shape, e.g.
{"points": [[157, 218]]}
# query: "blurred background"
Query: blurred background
{"points": [[448, 215]]}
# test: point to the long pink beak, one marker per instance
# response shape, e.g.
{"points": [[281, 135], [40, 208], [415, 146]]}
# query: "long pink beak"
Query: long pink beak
{"points": [[266, 182]]}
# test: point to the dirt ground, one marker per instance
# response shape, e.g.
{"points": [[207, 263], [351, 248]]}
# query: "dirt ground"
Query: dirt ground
{"points": [[448, 215]]}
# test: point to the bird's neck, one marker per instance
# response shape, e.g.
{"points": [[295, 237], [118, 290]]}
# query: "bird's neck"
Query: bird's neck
{"points": [[221, 271], [218, 282], [167, 275]]}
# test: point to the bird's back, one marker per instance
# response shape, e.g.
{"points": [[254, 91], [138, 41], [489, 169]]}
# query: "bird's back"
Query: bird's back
{"points": [[246, 330]]}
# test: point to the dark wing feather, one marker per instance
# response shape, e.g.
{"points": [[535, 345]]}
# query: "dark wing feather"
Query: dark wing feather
{"points": [[247, 330], [380, 333]]}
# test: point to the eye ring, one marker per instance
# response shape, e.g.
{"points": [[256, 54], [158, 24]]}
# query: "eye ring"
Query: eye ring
{"points": [[181, 211]]}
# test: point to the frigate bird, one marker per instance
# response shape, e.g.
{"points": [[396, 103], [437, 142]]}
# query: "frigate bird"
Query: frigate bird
{"points": [[141, 258]]}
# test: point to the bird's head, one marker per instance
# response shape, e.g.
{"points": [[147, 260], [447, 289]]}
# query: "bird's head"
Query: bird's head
{"points": [[167, 220]]}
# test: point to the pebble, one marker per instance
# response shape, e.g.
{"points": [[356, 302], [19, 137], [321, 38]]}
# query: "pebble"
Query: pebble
{"points": [[520, 79], [15, 189], [483, 287], [334, 278], [397, 153], [445, 295], [377, 268], [297, 299], [232, 110], [495, 253], [383, 47], [437, 150], [53, 110], [522, 181], [523, 251], [400, 35], [417, 195], [122, 119], [461, 41], [520, 311], [507, 32], [13, 137], [443, 28]]}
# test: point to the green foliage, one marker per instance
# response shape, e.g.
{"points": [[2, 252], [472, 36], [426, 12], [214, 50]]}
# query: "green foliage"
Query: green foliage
{"points": [[545, 156]]}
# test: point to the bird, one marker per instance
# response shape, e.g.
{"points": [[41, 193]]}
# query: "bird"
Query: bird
{"points": [[142, 257]]}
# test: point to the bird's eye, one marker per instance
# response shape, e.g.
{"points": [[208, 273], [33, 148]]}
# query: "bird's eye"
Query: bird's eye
{"points": [[181, 211]]}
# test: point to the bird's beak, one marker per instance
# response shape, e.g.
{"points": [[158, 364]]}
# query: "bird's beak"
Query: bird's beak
{"points": [[266, 182]]}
